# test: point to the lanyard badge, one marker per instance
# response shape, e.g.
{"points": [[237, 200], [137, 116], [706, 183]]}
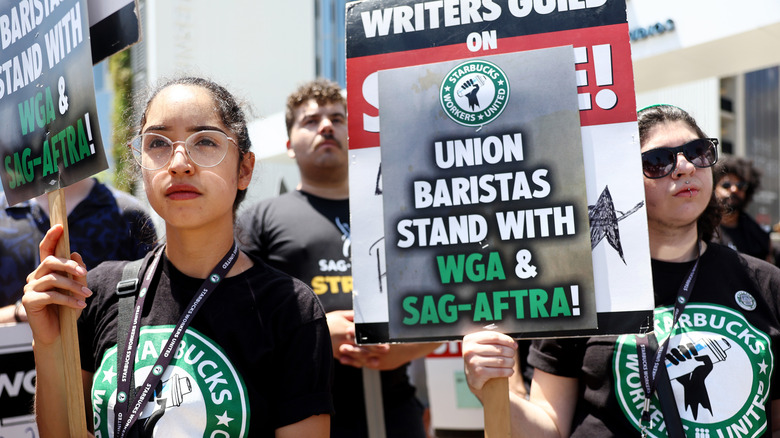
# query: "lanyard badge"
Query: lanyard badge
{"points": [[647, 344], [127, 410]]}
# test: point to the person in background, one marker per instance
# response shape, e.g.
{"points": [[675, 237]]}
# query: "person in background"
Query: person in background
{"points": [[737, 182], [248, 351], [719, 367], [103, 224], [306, 234]]}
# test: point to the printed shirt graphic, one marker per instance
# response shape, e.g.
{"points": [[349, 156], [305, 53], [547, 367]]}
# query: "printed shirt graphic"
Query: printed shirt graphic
{"points": [[200, 393], [719, 365], [335, 268]]}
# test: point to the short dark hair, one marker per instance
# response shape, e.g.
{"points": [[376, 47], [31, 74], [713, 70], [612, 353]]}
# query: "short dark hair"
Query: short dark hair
{"points": [[229, 109], [651, 116], [742, 168], [323, 91]]}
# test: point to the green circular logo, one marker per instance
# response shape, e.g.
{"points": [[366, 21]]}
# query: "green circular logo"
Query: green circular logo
{"points": [[200, 387], [215, 278], [474, 93], [719, 366]]}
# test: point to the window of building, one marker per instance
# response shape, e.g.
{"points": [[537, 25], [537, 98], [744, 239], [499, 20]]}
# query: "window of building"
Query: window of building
{"points": [[762, 137], [330, 44]]}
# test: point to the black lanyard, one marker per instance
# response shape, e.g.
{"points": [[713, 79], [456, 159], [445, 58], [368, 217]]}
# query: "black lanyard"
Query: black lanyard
{"points": [[648, 369], [126, 411]]}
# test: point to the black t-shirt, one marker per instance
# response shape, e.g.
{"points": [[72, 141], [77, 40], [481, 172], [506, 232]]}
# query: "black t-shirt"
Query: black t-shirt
{"points": [[747, 237], [723, 386], [256, 357], [308, 237]]}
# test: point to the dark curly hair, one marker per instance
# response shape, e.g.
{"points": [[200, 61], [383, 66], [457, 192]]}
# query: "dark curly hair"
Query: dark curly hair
{"points": [[323, 91], [651, 116], [228, 107], [742, 168]]}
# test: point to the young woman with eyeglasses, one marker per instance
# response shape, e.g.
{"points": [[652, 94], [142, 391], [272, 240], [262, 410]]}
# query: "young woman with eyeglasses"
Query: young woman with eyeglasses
{"points": [[715, 373], [214, 343]]}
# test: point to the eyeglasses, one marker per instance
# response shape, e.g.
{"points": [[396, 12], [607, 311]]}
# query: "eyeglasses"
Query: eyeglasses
{"points": [[742, 185], [659, 162], [205, 148]]}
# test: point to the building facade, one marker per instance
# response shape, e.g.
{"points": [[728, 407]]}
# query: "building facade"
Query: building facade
{"points": [[718, 60]]}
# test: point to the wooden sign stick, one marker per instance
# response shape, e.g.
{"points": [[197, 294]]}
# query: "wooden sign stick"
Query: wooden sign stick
{"points": [[375, 412], [71, 362], [495, 403]]}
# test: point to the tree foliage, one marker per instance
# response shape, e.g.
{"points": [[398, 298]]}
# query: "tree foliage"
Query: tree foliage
{"points": [[121, 73]]}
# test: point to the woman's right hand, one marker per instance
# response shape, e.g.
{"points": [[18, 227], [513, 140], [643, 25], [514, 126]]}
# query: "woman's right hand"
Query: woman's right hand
{"points": [[487, 355], [50, 286]]}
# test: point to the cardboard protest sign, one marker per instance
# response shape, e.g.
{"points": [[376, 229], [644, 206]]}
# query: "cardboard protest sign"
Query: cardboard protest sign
{"points": [[113, 26], [492, 213], [570, 106], [453, 405], [48, 117], [17, 381]]}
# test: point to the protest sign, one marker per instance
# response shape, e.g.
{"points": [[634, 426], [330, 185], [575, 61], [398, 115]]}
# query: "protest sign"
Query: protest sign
{"points": [[48, 117], [408, 256], [17, 381], [113, 27], [453, 405], [489, 224]]}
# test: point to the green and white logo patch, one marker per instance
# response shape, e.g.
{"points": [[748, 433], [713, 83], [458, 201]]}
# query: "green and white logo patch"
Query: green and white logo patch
{"points": [[474, 93], [200, 392], [719, 366]]}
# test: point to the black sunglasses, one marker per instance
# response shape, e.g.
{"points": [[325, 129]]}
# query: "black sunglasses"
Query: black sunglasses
{"points": [[659, 162], [742, 185]]}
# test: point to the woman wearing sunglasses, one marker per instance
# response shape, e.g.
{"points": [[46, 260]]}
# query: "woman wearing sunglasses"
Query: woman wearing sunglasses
{"points": [[213, 343], [713, 376]]}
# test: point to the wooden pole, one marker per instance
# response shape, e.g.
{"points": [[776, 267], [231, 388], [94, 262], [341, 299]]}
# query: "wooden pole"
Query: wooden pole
{"points": [[375, 411], [71, 362], [495, 402]]}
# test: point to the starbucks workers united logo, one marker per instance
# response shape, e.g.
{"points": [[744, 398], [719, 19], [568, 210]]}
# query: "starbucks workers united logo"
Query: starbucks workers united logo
{"points": [[719, 366], [200, 391], [474, 93]]}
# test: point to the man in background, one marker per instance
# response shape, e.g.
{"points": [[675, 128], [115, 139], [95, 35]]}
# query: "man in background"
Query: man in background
{"points": [[737, 181], [306, 234]]}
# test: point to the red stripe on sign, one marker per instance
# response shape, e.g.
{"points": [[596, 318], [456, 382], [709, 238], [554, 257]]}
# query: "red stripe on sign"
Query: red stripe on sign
{"points": [[603, 66], [447, 349]]}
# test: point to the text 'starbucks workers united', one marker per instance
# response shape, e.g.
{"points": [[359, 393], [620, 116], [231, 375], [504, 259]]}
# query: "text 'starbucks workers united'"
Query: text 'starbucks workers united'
{"points": [[474, 93], [200, 389], [708, 347]]}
